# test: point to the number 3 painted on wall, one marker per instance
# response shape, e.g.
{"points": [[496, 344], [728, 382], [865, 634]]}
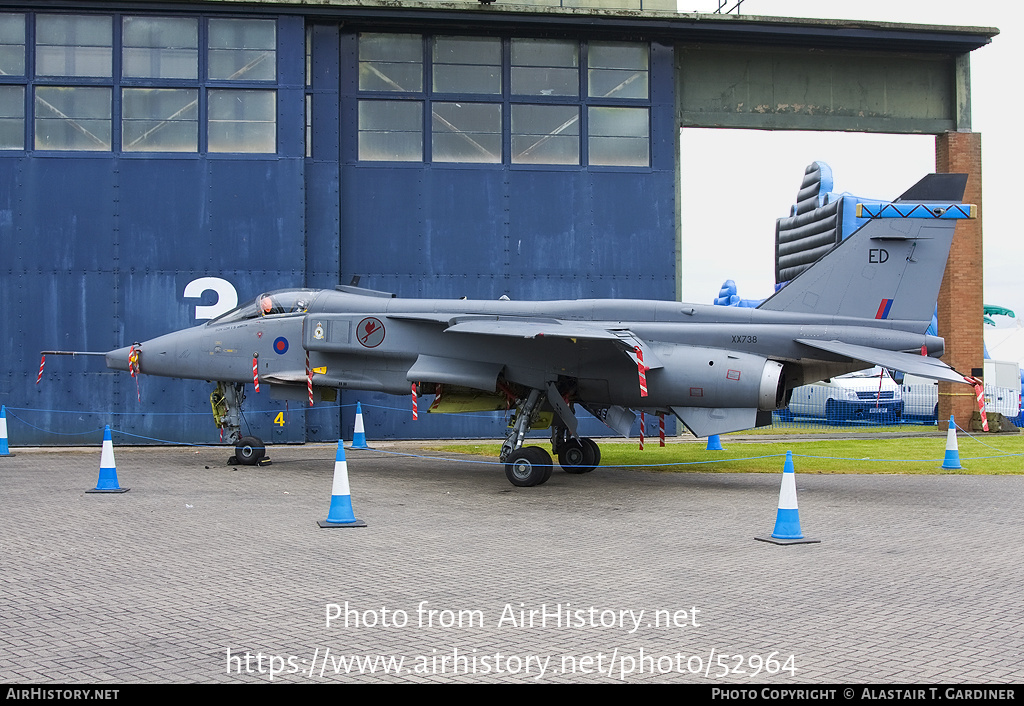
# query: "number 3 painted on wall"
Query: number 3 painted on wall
{"points": [[227, 297]]}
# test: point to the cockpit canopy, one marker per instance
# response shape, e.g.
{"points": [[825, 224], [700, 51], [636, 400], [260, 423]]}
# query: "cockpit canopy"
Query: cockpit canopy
{"points": [[276, 303]]}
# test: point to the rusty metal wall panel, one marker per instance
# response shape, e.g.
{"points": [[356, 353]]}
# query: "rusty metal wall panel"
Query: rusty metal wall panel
{"points": [[816, 89]]}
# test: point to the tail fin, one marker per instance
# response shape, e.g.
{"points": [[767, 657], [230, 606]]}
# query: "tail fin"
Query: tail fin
{"points": [[891, 267]]}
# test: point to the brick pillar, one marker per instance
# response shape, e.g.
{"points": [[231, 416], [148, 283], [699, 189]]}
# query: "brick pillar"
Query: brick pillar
{"points": [[961, 306]]}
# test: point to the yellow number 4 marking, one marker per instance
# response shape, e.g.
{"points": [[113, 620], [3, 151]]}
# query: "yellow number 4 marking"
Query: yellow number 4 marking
{"points": [[279, 419]]}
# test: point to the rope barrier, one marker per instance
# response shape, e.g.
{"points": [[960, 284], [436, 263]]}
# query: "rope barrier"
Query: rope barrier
{"points": [[974, 438], [716, 459], [617, 465], [206, 413], [97, 430]]}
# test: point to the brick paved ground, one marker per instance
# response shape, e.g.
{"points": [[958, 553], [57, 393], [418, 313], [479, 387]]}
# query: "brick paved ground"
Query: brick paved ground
{"points": [[916, 579]]}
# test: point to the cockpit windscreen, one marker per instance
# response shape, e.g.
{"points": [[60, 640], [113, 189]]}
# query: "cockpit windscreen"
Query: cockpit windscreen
{"points": [[276, 303]]}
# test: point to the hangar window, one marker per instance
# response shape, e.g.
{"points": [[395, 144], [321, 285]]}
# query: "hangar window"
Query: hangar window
{"points": [[12, 44], [545, 134], [618, 134], [390, 131], [242, 120], [12, 117], [617, 70], [160, 47], [12, 97], [466, 132], [391, 62], [160, 119], [515, 100], [72, 118], [467, 65], [545, 67], [138, 83], [619, 137], [243, 50], [74, 45]]}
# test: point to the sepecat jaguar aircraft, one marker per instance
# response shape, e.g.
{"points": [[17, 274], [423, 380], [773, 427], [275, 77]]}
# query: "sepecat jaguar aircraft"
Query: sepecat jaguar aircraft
{"points": [[867, 301]]}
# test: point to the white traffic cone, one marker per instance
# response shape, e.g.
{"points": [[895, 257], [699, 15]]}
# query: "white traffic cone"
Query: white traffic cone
{"points": [[107, 482], [359, 432], [4, 450], [952, 459], [340, 513], [787, 521]]}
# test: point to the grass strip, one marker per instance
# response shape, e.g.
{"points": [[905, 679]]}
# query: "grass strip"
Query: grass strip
{"points": [[987, 455]]}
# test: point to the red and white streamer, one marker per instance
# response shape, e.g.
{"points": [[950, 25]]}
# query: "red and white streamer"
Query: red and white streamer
{"points": [[255, 372], [133, 369], [309, 380], [979, 392], [661, 429], [415, 405], [641, 370], [41, 364]]}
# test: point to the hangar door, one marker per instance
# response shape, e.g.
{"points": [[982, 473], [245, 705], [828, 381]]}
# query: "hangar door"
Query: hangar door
{"points": [[481, 166]]}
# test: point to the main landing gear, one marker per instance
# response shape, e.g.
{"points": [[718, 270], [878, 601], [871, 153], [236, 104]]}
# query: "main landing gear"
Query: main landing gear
{"points": [[226, 402], [527, 466]]}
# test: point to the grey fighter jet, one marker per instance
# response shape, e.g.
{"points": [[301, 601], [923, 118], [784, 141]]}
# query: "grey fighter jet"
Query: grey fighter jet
{"points": [[867, 301]]}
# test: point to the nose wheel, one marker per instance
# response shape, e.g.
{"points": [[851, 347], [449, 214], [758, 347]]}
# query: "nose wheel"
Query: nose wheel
{"points": [[250, 451], [226, 401]]}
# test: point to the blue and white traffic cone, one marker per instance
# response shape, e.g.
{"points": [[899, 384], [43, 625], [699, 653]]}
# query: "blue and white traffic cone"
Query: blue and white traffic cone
{"points": [[952, 459], [359, 432], [787, 521], [714, 443], [340, 513], [107, 482], [4, 450]]}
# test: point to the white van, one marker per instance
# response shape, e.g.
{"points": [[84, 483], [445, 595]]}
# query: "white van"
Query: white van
{"points": [[920, 399], [1002, 392], [867, 395]]}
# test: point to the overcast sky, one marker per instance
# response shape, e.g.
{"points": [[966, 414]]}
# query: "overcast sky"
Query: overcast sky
{"points": [[737, 182]]}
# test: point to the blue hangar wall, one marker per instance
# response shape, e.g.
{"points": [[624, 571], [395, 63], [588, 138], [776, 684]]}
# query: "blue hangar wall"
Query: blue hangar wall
{"points": [[431, 164]]}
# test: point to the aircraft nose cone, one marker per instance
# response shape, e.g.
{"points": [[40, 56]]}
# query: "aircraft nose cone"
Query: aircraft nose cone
{"points": [[118, 359]]}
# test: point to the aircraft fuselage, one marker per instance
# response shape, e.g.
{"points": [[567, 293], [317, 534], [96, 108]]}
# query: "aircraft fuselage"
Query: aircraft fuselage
{"points": [[695, 355]]}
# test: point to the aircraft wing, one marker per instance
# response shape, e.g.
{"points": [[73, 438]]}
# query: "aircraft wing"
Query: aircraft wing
{"points": [[920, 365], [467, 370], [518, 327], [512, 326]]}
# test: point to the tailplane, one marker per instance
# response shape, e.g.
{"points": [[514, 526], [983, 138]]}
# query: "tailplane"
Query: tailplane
{"points": [[892, 266]]}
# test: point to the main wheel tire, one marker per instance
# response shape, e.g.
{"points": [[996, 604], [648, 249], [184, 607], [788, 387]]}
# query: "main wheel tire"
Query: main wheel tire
{"points": [[250, 451], [595, 450], [577, 456], [528, 466]]}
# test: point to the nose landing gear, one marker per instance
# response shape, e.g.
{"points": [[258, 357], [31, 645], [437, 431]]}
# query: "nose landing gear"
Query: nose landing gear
{"points": [[226, 401]]}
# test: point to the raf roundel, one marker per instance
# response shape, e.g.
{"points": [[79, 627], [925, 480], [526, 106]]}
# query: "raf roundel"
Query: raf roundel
{"points": [[280, 345]]}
